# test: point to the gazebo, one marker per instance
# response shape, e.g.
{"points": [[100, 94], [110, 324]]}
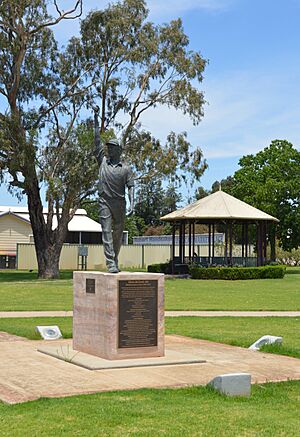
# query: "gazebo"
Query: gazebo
{"points": [[216, 209]]}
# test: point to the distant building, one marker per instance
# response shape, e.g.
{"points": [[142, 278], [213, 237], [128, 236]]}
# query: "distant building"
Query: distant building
{"points": [[15, 228], [200, 239]]}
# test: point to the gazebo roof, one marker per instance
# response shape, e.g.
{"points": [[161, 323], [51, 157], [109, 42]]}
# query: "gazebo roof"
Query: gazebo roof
{"points": [[219, 205]]}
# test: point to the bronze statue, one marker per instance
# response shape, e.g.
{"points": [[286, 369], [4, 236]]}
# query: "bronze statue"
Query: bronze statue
{"points": [[114, 176]]}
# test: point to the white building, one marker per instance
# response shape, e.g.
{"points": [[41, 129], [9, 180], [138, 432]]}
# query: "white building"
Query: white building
{"points": [[15, 228]]}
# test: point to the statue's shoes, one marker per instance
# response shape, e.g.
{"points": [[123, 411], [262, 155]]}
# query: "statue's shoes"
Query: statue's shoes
{"points": [[113, 269]]}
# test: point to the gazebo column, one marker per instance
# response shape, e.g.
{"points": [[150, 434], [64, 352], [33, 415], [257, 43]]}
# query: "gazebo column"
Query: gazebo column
{"points": [[226, 243], [246, 242], [173, 246], [259, 249], [257, 245], [261, 225], [183, 242], [243, 243], [190, 242], [180, 244], [263, 239], [213, 242], [179, 241], [193, 224], [265, 242], [209, 243], [230, 243]]}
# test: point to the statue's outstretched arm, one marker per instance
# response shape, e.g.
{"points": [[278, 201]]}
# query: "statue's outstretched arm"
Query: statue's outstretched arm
{"points": [[130, 185], [131, 200], [99, 150]]}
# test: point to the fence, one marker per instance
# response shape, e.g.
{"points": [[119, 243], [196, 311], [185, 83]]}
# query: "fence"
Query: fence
{"points": [[130, 256], [138, 256]]}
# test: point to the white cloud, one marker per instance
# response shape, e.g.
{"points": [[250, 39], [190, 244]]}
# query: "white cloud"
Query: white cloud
{"points": [[171, 8], [246, 111], [158, 10]]}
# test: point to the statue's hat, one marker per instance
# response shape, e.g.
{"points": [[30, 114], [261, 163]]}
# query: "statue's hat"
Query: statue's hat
{"points": [[113, 142]]}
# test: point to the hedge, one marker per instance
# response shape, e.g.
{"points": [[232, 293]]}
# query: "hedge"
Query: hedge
{"points": [[234, 273], [159, 268]]}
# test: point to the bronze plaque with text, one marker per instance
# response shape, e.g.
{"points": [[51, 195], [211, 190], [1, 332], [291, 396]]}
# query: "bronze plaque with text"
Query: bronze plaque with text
{"points": [[90, 286], [137, 313]]}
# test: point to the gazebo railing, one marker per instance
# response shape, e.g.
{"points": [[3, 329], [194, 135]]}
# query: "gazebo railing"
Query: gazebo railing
{"points": [[206, 261]]}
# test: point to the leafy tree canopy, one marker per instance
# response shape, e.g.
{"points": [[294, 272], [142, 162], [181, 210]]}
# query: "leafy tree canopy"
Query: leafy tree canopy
{"points": [[224, 184], [153, 202], [136, 66], [270, 181], [122, 62]]}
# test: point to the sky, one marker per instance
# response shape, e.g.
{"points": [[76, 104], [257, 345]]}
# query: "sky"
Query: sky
{"points": [[251, 82]]}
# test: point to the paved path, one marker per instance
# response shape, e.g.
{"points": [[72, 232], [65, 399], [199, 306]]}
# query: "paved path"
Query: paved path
{"points": [[13, 314], [26, 374]]}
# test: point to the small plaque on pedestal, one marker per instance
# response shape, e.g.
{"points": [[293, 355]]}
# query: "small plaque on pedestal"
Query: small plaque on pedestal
{"points": [[119, 316]]}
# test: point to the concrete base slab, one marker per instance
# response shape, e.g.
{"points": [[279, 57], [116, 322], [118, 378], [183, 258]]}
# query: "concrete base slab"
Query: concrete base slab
{"points": [[64, 352]]}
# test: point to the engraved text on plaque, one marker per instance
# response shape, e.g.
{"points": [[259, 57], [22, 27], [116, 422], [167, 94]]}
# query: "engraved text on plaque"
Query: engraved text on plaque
{"points": [[137, 313]]}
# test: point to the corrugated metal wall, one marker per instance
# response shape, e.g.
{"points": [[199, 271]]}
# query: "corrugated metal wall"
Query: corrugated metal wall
{"points": [[130, 256]]}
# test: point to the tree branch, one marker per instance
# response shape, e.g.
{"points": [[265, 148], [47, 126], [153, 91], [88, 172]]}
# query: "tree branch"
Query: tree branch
{"points": [[3, 92], [64, 96], [63, 15], [87, 194], [7, 25]]}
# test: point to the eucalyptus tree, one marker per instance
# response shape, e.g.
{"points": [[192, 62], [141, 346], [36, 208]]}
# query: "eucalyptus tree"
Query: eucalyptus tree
{"points": [[36, 92], [122, 62], [138, 66]]}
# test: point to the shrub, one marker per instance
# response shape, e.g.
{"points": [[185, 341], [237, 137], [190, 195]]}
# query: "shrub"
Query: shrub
{"points": [[159, 268], [288, 258], [234, 273]]}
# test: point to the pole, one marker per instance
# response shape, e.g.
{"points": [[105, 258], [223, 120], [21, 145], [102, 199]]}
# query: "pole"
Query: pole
{"points": [[190, 242], [213, 242], [209, 243], [193, 240], [183, 242], [226, 243], [230, 243], [173, 247]]}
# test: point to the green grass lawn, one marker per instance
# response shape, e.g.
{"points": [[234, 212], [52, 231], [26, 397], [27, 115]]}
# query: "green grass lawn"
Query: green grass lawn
{"points": [[272, 410], [28, 275], [241, 331], [36, 295], [238, 331], [20, 291], [263, 294]]}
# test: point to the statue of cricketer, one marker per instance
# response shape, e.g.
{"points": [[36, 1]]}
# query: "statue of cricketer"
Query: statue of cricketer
{"points": [[114, 176]]}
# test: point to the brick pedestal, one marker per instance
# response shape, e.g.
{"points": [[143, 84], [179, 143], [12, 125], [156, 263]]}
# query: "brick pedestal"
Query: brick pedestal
{"points": [[119, 316]]}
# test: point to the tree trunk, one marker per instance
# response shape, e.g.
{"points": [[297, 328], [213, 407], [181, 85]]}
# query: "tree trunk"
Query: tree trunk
{"points": [[48, 243], [48, 263]]}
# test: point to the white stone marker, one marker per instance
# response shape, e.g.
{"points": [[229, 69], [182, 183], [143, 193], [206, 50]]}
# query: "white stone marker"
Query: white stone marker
{"points": [[265, 339], [49, 332], [232, 384]]}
